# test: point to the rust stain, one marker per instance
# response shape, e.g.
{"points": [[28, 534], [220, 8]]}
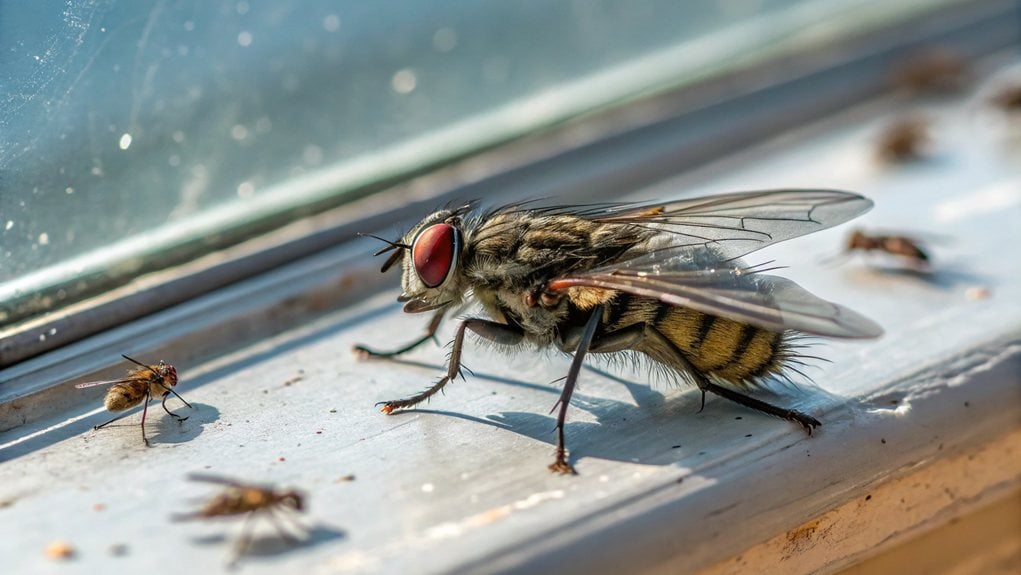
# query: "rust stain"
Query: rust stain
{"points": [[800, 538]]}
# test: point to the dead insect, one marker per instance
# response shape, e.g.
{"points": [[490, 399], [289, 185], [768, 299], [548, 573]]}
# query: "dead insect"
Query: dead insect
{"points": [[663, 280], [241, 498], [935, 70], [1008, 99], [903, 246], [140, 386], [903, 140]]}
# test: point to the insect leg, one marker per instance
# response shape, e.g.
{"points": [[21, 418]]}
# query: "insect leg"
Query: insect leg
{"points": [[164, 403], [491, 330], [806, 421], [284, 534], [118, 418], [287, 516], [145, 409], [244, 539], [618, 340], [178, 396], [561, 465], [430, 334]]}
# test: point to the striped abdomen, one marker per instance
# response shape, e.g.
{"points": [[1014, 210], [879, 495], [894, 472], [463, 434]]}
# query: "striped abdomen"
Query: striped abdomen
{"points": [[733, 351], [127, 394]]}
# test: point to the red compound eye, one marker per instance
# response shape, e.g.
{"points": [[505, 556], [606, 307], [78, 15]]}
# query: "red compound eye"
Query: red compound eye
{"points": [[170, 374], [434, 253]]}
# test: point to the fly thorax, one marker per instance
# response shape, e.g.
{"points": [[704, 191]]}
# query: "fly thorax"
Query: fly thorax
{"points": [[157, 388]]}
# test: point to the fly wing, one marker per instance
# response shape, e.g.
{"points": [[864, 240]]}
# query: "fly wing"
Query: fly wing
{"points": [[734, 225], [207, 478], [108, 382], [766, 301]]}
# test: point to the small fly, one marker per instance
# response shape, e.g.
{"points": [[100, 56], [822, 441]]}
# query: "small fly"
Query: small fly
{"points": [[660, 279], [905, 247], [250, 500], [1008, 99], [140, 386], [904, 140]]}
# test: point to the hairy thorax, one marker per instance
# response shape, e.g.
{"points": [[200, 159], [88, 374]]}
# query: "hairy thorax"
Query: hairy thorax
{"points": [[514, 257]]}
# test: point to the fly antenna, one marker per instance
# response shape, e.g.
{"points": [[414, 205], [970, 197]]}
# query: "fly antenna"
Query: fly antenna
{"points": [[143, 365], [390, 245], [394, 257]]}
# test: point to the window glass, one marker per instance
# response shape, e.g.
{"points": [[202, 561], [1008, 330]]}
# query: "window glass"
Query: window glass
{"points": [[134, 135]]}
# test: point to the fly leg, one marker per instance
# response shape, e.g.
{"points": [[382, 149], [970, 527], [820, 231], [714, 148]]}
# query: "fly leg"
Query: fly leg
{"points": [[806, 421], [278, 521], [164, 404], [560, 465], [430, 334], [118, 418], [284, 534], [243, 541], [145, 407], [498, 332]]}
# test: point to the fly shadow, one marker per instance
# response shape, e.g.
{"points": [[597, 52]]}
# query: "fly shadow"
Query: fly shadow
{"points": [[168, 430], [656, 429], [124, 431], [271, 544], [940, 277]]}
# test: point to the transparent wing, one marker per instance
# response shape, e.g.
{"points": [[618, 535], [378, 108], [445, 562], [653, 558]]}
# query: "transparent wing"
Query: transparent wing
{"points": [[770, 302], [737, 224], [107, 382], [207, 478]]}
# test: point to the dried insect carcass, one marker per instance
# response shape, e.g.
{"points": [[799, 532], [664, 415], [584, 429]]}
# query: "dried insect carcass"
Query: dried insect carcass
{"points": [[239, 498], [903, 140], [1008, 98], [140, 386], [897, 245], [663, 280], [935, 70]]}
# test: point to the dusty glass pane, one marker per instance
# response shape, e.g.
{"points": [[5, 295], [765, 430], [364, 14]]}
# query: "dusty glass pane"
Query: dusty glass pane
{"points": [[135, 135]]}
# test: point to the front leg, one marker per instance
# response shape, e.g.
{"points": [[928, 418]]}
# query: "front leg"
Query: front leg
{"points": [[145, 409], [498, 332], [166, 396], [430, 334]]}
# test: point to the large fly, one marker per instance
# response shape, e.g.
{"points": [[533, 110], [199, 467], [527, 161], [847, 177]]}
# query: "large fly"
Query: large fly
{"points": [[661, 279]]}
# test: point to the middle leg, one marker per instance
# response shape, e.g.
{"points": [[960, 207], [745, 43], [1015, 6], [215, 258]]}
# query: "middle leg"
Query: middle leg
{"points": [[560, 465]]}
